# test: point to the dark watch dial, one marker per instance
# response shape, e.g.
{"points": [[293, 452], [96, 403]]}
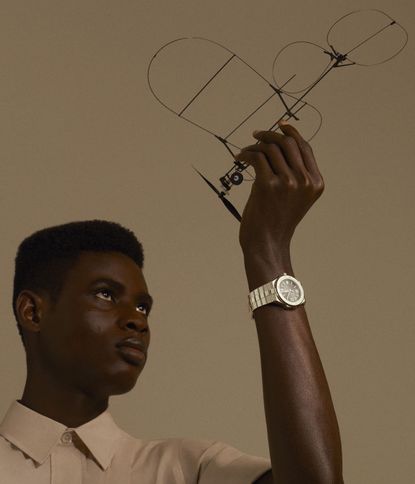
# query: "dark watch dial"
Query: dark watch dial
{"points": [[290, 290]]}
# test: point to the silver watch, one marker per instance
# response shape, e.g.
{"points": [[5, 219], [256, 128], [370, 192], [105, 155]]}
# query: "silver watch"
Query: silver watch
{"points": [[285, 290]]}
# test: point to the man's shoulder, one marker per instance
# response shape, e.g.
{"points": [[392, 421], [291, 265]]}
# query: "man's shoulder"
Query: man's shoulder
{"points": [[177, 445]]}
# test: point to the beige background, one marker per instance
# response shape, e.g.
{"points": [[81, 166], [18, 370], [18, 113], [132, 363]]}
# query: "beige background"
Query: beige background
{"points": [[82, 138]]}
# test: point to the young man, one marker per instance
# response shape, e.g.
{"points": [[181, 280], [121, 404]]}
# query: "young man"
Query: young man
{"points": [[82, 305]]}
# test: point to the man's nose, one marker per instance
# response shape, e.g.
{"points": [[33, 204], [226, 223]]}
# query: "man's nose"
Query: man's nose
{"points": [[134, 319]]}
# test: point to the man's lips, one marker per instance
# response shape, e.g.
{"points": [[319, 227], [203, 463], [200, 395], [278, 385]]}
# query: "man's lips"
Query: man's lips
{"points": [[136, 343], [132, 355], [133, 350]]}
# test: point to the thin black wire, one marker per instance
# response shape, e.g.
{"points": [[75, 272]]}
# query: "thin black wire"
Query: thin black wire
{"points": [[250, 116], [393, 22], [234, 55], [336, 60], [281, 51], [205, 86], [370, 37]]}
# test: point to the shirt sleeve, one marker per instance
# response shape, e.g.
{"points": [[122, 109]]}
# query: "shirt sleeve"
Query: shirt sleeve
{"points": [[215, 462]]}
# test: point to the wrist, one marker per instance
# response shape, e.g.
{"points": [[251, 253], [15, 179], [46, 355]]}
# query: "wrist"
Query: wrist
{"points": [[263, 267]]}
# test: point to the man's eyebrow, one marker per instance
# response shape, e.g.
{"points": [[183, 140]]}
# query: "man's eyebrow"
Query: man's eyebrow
{"points": [[120, 287]]}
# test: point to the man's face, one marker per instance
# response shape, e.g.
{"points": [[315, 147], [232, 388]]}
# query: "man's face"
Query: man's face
{"points": [[77, 343]]}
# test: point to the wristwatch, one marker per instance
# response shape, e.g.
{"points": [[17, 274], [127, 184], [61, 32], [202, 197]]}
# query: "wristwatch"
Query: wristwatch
{"points": [[285, 291]]}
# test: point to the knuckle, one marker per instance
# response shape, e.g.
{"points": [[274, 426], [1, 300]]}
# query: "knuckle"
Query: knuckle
{"points": [[291, 183], [306, 180], [273, 183], [319, 186]]}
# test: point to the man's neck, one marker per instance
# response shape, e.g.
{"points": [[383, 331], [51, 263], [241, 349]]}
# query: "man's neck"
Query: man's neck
{"points": [[68, 408]]}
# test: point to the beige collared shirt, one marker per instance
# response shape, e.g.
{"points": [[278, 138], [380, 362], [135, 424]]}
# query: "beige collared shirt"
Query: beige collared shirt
{"points": [[35, 449]]}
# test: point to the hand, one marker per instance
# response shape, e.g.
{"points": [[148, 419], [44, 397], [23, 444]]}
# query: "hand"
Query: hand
{"points": [[287, 184]]}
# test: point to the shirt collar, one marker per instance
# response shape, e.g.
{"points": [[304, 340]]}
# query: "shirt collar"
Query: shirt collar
{"points": [[36, 435]]}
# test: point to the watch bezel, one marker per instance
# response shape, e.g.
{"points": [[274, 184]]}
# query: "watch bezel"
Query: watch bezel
{"points": [[278, 282]]}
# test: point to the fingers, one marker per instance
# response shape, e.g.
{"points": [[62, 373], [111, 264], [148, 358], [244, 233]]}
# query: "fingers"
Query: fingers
{"points": [[290, 151], [267, 160], [305, 149], [286, 155], [258, 160]]}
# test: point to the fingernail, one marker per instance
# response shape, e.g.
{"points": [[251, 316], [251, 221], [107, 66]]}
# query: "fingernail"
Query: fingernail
{"points": [[256, 132], [282, 122]]}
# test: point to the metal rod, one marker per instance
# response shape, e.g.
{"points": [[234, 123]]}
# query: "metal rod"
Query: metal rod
{"points": [[209, 81]]}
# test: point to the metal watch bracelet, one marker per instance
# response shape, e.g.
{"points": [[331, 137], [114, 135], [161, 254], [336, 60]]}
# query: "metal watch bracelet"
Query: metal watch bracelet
{"points": [[267, 294]]}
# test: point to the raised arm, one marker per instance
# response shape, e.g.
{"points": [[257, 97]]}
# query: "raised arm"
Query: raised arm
{"points": [[303, 433]]}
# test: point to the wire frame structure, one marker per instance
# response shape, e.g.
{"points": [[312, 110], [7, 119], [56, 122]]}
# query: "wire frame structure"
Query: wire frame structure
{"points": [[362, 37]]}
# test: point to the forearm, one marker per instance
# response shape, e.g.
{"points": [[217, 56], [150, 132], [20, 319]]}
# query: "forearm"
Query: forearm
{"points": [[303, 433]]}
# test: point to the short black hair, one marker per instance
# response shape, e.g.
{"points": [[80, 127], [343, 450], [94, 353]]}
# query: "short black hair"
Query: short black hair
{"points": [[44, 258]]}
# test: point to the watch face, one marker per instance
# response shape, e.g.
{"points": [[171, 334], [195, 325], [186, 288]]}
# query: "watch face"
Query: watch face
{"points": [[290, 290]]}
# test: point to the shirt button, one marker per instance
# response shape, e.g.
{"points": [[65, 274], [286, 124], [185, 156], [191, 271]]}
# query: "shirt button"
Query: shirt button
{"points": [[66, 438]]}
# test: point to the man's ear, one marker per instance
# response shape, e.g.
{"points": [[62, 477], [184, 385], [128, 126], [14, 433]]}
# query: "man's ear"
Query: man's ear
{"points": [[29, 310]]}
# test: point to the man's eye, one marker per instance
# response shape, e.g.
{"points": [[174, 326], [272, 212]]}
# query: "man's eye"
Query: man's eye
{"points": [[146, 308], [107, 294]]}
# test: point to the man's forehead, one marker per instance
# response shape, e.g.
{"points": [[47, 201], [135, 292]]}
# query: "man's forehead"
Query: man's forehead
{"points": [[93, 265]]}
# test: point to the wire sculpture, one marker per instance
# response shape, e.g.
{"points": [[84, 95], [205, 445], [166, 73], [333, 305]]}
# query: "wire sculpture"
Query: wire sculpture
{"points": [[370, 25]]}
